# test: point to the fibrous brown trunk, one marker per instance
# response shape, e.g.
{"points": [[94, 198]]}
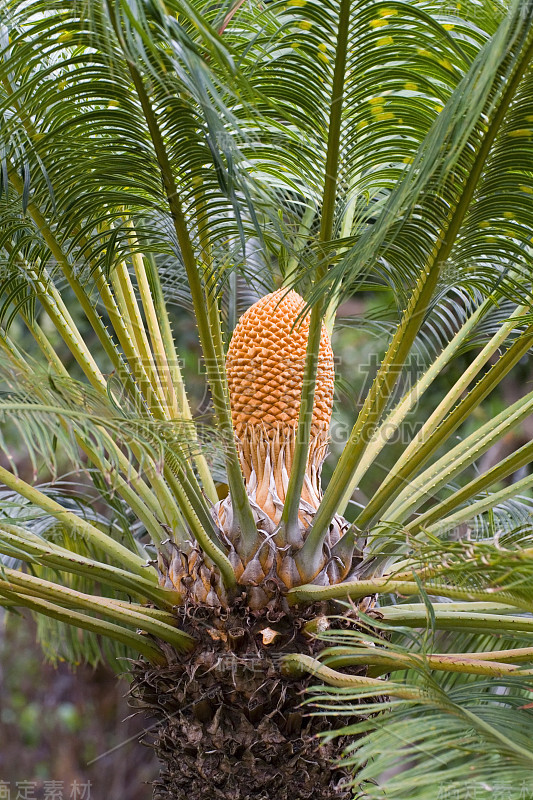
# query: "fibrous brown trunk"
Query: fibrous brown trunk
{"points": [[231, 727]]}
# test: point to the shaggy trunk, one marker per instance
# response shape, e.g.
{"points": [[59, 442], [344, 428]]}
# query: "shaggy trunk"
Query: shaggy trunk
{"points": [[231, 727]]}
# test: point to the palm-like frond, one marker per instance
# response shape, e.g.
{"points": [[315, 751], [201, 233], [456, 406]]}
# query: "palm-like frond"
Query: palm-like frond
{"points": [[464, 741], [440, 730]]}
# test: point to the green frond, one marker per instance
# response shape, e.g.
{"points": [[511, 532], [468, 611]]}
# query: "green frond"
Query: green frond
{"points": [[442, 729]]}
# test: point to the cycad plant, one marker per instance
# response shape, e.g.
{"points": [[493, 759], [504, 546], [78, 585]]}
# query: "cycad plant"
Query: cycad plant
{"points": [[251, 165]]}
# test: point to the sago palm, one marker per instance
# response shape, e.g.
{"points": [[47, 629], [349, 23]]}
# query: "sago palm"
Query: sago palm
{"points": [[251, 165]]}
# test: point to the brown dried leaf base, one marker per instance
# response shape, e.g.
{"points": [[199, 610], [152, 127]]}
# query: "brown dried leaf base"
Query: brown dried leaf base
{"points": [[231, 726]]}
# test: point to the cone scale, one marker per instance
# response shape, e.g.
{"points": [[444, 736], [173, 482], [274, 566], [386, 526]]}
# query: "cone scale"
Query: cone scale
{"points": [[265, 367]]}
